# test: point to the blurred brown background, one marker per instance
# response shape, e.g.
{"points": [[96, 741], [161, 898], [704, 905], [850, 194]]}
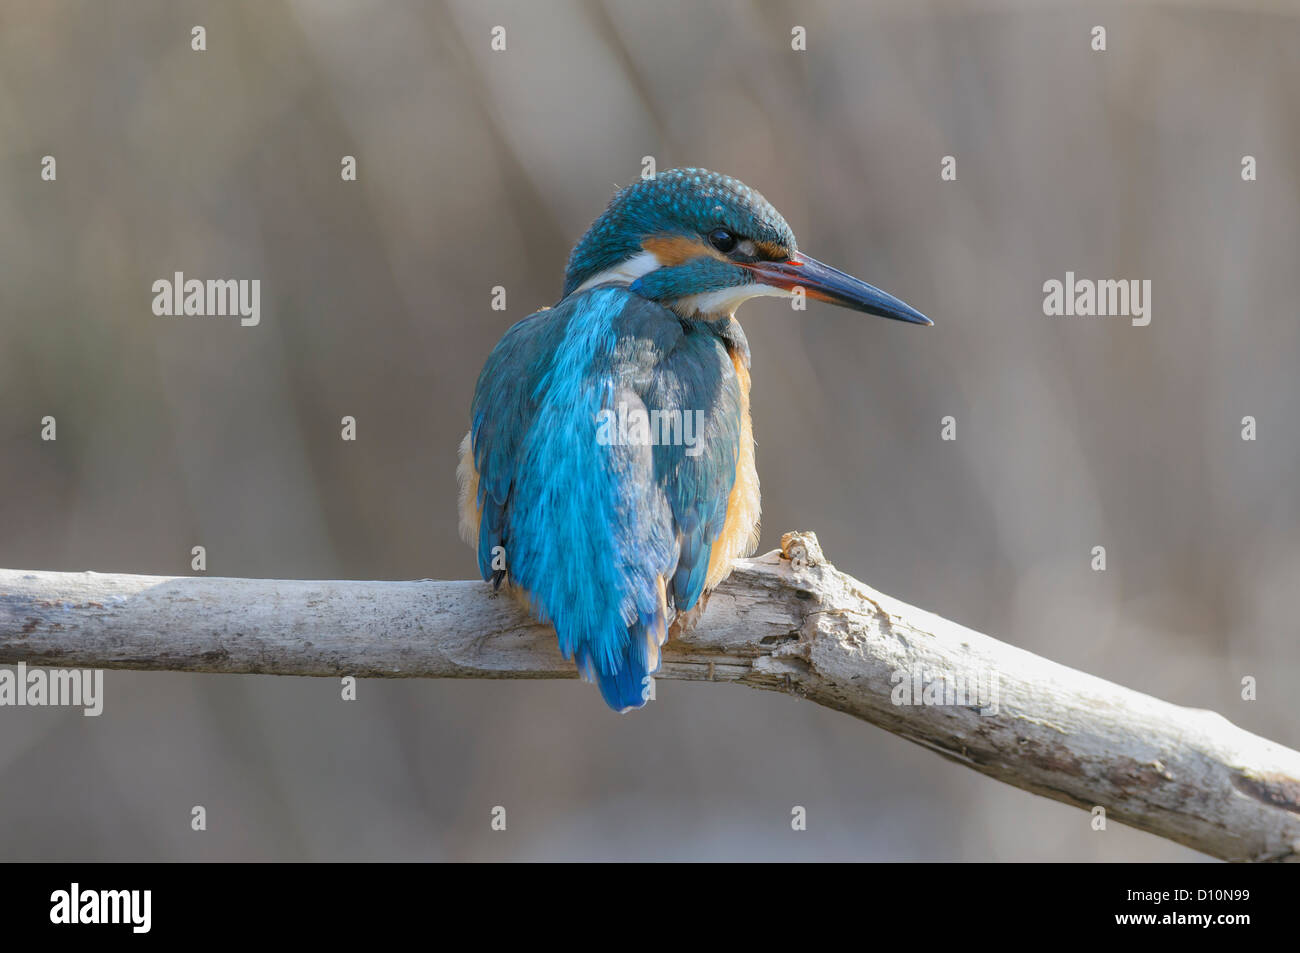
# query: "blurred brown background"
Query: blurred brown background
{"points": [[479, 169]]}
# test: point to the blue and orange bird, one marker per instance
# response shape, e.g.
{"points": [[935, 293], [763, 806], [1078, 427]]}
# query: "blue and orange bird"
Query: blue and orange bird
{"points": [[607, 524]]}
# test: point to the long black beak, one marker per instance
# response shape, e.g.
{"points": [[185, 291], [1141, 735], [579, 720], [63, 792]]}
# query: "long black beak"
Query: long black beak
{"points": [[832, 285]]}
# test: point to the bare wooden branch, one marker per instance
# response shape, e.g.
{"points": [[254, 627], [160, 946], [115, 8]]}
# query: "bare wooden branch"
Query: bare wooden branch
{"points": [[786, 621]]}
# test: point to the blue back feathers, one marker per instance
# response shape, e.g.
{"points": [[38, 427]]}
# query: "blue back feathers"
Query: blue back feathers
{"points": [[606, 537]]}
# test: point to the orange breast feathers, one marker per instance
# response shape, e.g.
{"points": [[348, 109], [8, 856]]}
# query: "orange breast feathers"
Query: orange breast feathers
{"points": [[739, 536], [467, 483]]}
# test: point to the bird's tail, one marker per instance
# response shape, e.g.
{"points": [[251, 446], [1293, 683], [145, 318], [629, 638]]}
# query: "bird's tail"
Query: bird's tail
{"points": [[625, 689], [625, 681]]}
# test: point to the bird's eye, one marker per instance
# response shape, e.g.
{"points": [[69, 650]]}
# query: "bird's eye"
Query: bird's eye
{"points": [[722, 240]]}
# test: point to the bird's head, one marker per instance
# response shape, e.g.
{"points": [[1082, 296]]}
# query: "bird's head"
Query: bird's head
{"points": [[701, 243]]}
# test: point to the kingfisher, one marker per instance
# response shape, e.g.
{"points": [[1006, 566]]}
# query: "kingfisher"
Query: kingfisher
{"points": [[608, 477]]}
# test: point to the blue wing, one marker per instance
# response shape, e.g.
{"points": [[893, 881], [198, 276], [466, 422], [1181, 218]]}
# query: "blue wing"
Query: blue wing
{"points": [[605, 535]]}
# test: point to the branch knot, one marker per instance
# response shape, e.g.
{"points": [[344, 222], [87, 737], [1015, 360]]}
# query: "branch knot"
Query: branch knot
{"points": [[802, 549]]}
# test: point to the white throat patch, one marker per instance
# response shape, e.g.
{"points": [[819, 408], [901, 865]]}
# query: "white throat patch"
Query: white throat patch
{"points": [[624, 273], [727, 300]]}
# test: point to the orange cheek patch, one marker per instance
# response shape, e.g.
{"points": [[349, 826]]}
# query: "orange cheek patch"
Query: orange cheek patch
{"points": [[673, 250]]}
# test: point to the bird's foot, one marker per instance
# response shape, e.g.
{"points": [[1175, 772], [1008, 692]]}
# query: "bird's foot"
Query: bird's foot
{"points": [[685, 621]]}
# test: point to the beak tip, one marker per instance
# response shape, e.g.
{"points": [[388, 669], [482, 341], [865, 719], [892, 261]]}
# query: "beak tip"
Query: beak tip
{"points": [[905, 312]]}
